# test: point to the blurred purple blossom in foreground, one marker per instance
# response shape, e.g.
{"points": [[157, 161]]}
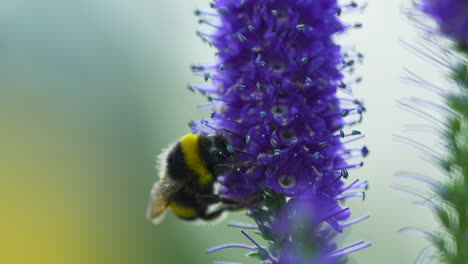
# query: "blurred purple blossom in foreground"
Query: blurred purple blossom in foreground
{"points": [[449, 197], [280, 95], [450, 15]]}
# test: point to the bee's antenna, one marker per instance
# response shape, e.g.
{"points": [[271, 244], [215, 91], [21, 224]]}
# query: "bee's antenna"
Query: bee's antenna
{"points": [[245, 140], [232, 132], [244, 152], [236, 149]]}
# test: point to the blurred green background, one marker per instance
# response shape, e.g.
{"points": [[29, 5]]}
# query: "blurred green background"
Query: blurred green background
{"points": [[91, 90]]}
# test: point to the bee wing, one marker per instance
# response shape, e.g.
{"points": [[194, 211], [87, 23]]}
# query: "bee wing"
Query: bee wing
{"points": [[160, 198]]}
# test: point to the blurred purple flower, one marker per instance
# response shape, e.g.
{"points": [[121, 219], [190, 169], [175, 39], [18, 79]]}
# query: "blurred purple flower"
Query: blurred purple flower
{"points": [[301, 226], [275, 94], [451, 15], [449, 198]]}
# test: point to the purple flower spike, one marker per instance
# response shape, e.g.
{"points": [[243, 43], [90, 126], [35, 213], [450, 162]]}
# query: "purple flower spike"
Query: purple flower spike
{"points": [[279, 95], [451, 15]]}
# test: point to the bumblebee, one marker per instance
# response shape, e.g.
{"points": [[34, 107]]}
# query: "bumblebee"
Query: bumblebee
{"points": [[188, 171]]}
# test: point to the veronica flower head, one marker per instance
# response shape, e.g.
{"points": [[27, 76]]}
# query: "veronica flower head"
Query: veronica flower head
{"points": [[280, 96]]}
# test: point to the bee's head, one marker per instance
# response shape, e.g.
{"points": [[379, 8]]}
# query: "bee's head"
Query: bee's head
{"points": [[215, 149], [220, 150]]}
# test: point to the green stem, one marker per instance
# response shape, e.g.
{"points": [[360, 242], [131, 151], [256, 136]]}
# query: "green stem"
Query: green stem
{"points": [[455, 191]]}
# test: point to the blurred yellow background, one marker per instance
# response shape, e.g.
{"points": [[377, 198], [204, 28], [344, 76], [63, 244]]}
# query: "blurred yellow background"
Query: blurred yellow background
{"points": [[91, 90]]}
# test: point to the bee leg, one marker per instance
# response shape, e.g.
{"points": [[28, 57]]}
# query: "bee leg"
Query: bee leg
{"points": [[213, 215], [226, 167], [209, 199], [226, 200], [245, 163], [233, 205]]}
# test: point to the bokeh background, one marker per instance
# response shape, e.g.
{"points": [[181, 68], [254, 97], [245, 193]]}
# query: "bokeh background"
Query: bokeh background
{"points": [[91, 90]]}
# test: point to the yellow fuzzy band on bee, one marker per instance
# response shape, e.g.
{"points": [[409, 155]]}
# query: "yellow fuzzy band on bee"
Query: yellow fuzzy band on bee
{"points": [[183, 211], [193, 159]]}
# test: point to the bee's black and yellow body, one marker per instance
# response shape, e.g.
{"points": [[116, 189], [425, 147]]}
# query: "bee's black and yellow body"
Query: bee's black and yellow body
{"points": [[188, 171]]}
